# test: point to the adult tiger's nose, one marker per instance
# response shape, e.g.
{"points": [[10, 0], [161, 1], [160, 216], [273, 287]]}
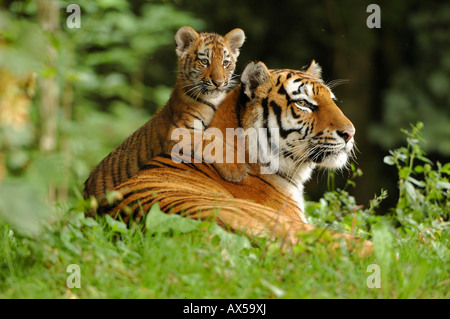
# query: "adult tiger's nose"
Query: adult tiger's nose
{"points": [[346, 134]]}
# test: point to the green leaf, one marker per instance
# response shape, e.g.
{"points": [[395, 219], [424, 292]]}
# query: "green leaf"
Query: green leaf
{"points": [[67, 237], [116, 226], [402, 157], [446, 169], [159, 222], [278, 292], [418, 169], [403, 172], [416, 182], [424, 159], [233, 242], [443, 185], [383, 248], [23, 206], [410, 190], [389, 160]]}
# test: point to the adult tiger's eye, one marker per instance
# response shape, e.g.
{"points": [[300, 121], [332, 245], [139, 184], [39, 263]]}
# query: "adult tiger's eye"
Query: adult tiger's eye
{"points": [[204, 62], [303, 105], [300, 103]]}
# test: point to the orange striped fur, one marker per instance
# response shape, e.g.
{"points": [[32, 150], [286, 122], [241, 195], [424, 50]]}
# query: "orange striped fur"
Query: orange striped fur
{"points": [[312, 133], [206, 62]]}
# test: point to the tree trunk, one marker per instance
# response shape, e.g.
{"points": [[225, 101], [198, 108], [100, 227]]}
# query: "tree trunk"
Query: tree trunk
{"points": [[48, 11]]}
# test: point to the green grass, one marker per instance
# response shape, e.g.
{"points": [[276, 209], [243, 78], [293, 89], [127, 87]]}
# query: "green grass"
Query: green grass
{"points": [[199, 260], [180, 258]]}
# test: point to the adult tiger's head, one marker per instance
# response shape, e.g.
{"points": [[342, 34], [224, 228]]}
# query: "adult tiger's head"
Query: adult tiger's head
{"points": [[310, 131], [206, 62]]}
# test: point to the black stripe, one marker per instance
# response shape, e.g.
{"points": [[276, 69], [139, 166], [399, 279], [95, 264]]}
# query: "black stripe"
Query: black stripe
{"points": [[238, 114], [150, 166], [150, 139], [264, 104], [173, 123], [298, 90], [166, 208], [217, 45], [165, 164], [135, 191], [198, 118], [195, 116], [242, 103], [288, 154], [107, 208], [115, 171], [277, 110], [207, 103], [186, 64], [195, 168], [161, 144], [165, 155], [295, 115], [278, 80], [282, 91], [288, 179], [127, 167], [306, 132], [263, 180], [185, 124], [140, 160]]}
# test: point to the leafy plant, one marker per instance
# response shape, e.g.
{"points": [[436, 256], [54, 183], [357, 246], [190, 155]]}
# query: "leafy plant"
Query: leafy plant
{"points": [[423, 205], [424, 188], [338, 209]]}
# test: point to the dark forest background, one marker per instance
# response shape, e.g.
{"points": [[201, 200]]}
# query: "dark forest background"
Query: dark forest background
{"points": [[69, 96]]}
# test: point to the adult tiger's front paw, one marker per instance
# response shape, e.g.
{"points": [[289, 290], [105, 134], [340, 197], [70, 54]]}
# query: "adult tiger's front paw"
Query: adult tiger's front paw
{"points": [[232, 172]]}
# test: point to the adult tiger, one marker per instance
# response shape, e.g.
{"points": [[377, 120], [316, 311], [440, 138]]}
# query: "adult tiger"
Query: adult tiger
{"points": [[206, 62], [311, 129]]}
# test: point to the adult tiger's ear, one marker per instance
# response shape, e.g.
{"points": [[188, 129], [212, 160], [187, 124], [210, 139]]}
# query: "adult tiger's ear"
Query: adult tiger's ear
{"points": [[314, 69], [254, 75], [184, 37], [235, 39]]}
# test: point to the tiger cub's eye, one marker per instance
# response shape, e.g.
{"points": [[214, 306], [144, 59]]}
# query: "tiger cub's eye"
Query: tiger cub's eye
{"points": [[226, 63], [204, 62]]}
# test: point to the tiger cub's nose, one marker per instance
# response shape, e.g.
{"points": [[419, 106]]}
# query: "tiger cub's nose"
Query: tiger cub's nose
{"points": [[217, 83]]}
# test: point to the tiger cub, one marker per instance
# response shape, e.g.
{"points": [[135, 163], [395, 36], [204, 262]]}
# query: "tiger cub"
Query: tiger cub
{"points": [[206, 64]]}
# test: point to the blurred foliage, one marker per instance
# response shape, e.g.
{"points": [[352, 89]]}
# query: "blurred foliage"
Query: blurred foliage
{"points": [[421, 92], [114, 72], [106, 87]]}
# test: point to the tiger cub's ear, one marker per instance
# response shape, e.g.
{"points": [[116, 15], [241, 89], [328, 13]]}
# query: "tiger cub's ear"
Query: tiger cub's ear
{"points": [[235, 39], [314, 69], [184, 37], [253, 76]]}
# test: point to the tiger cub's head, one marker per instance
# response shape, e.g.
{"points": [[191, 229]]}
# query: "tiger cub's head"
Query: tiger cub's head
{"points": [[206, 62], [300, 113]]}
